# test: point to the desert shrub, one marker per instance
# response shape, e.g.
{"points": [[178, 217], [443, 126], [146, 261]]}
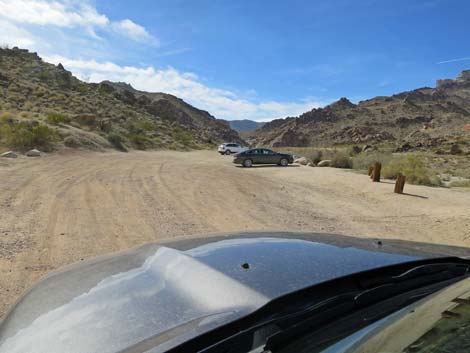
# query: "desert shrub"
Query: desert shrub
{"points": [[355, 150], [455, 149], [460, 184], [414, 168], [25, 136], [39, 91], [117, 141], [364, 160], [139, 141], [315, 156], [182, 135], [72, 142], [82, 87], [54, 118], [341, 160], [6, 117], [141, 126], [44, 75], [86, 119]]}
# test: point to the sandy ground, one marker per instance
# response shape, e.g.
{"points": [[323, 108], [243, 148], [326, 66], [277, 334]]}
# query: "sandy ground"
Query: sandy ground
{"points": [[66, 207]]}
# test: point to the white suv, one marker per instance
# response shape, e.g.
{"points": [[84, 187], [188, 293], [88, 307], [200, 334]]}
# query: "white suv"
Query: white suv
{"points": [[229, 148]]}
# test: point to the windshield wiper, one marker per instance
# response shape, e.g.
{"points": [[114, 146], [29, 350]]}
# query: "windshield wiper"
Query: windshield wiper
{"points": [[312, 309]]}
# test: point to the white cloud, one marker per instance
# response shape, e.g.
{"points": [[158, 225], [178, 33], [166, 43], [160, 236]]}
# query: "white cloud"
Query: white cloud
{"points": [[12, 34], [61, 14], [453, 60], [69, 14], [133, 30], [221, 103], [72, 27]]}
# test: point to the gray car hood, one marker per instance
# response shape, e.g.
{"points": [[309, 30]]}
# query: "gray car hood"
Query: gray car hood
{"points": [[157, 296]]}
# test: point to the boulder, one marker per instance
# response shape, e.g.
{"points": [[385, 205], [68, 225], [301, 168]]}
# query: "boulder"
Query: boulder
{"points": [[302, 161], [368, 148], [33, 153], [9, 154], [310, 164], [324, 163]]}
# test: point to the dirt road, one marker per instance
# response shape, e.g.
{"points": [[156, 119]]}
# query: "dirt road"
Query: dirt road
{"points": [[66, 207]]}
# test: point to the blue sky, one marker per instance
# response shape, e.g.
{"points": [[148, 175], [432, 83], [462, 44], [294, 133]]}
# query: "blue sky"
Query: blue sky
{"points": [[249, 59]]}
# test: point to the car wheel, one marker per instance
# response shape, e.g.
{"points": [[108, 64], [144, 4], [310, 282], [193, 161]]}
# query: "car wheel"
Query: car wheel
{"points": [[284, 162], [247, 163], [228, 152]]}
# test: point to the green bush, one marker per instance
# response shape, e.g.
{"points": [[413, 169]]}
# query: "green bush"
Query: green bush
{"points": [[54, 118], [460, 184], [117, 141], [414, 168], [315, 156], [86, 119], [139, 141], [182, 135], [341, 160], [6, 117], [23, 136], [364, 160], [141, 126]]}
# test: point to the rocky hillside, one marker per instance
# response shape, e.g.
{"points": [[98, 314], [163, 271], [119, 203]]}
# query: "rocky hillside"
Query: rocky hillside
{"points": [[37, 95], [424, 118], [245, 125]]}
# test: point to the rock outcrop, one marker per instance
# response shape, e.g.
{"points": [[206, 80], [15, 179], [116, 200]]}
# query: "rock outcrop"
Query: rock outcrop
{"points": [[441, 113]]}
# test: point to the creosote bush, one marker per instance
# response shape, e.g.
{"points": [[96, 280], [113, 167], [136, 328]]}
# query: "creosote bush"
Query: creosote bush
{"points": [[54, 118], [341, 160], [414, 168], [24, 136], [364, 160], [117, 141]]}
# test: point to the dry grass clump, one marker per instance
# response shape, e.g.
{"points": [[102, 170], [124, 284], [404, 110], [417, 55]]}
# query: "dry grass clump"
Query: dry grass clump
{"points": [[414, 168]]}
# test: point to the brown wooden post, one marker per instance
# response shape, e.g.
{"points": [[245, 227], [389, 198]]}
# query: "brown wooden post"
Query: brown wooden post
{"points": [[376, 172], [400, 184]]}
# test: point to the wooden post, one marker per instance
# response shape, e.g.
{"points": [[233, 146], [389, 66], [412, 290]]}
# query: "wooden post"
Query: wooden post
{"points": [[400, 184], [376, 172]]}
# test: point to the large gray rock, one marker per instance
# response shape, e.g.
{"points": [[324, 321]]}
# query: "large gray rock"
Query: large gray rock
{"points": [[33, 153], [324, 163], [302, 161], [9, 154]]}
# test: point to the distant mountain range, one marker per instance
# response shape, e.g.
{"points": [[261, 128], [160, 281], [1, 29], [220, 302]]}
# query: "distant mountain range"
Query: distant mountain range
{"points": [[245, 125], [420, 119], [94, 115]]}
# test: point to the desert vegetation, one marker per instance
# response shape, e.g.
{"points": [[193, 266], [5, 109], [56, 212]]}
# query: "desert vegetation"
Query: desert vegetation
{"points": [[44, 105], [420, 168]]}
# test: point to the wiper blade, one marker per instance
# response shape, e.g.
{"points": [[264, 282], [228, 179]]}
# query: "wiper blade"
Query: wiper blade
{"points": [[415, 277], [316, 307], [426, 277]]}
